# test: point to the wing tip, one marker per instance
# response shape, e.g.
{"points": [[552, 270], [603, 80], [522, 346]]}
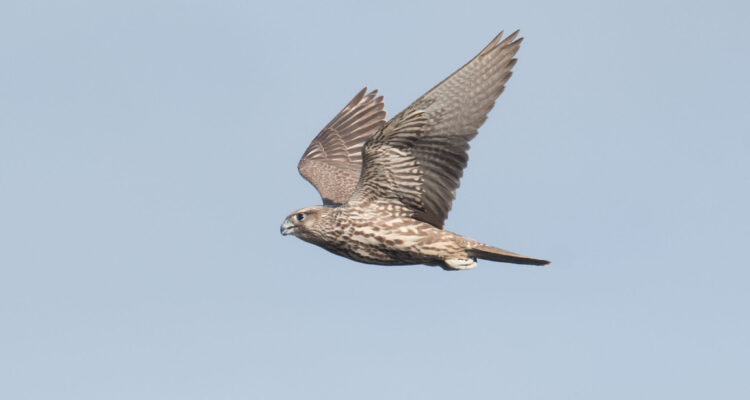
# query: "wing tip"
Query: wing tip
{"points": [[364, 96], [498, 41]]}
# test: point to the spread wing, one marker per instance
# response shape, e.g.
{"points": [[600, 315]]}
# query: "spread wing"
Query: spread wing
{"points": [[333, 161], [418, 158]]}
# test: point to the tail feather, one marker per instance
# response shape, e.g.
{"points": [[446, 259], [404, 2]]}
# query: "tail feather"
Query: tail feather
{"points": [[486, 252]]}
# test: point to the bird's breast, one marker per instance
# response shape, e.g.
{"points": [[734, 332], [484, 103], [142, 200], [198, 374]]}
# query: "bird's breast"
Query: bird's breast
{"points": [[376, 236]]}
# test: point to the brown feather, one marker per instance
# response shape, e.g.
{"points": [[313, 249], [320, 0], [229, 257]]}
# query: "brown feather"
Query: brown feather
{"points": [[410, 168], [418, 158], [333, 160]]}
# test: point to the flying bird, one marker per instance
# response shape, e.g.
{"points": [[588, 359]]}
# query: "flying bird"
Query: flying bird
{"points": [[387, 187]]}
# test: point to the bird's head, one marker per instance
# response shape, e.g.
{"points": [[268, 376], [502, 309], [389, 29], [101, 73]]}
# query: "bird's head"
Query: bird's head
{"points": [[303, 222]]}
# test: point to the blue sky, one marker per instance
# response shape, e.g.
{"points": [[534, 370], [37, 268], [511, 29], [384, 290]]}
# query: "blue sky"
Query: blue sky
{"points": [[148, 155]]}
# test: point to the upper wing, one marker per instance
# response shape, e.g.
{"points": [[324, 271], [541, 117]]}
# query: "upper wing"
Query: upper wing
{"points": [[418, 158], [333, 161]]}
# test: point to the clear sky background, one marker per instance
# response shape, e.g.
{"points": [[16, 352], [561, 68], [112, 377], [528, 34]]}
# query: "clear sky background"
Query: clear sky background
{"points": [[148, 155]]}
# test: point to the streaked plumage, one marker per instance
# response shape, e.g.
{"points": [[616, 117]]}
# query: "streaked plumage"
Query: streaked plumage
{"points": [[387, 188]]}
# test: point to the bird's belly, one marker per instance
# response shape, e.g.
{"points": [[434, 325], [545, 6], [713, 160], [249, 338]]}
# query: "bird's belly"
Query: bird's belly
{"points": [[384, 246]]}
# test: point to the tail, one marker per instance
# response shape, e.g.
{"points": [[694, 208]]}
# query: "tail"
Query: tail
{"points": [[486, 252]]}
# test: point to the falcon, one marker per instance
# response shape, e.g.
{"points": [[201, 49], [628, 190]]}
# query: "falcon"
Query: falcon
{"points": [[387, 187]]}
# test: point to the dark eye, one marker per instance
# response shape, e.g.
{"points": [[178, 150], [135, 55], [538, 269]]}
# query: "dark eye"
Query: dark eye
{"points": [[299, 216]]}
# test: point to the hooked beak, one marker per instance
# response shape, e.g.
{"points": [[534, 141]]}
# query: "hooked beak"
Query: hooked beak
{"points": [[287, 227]]}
